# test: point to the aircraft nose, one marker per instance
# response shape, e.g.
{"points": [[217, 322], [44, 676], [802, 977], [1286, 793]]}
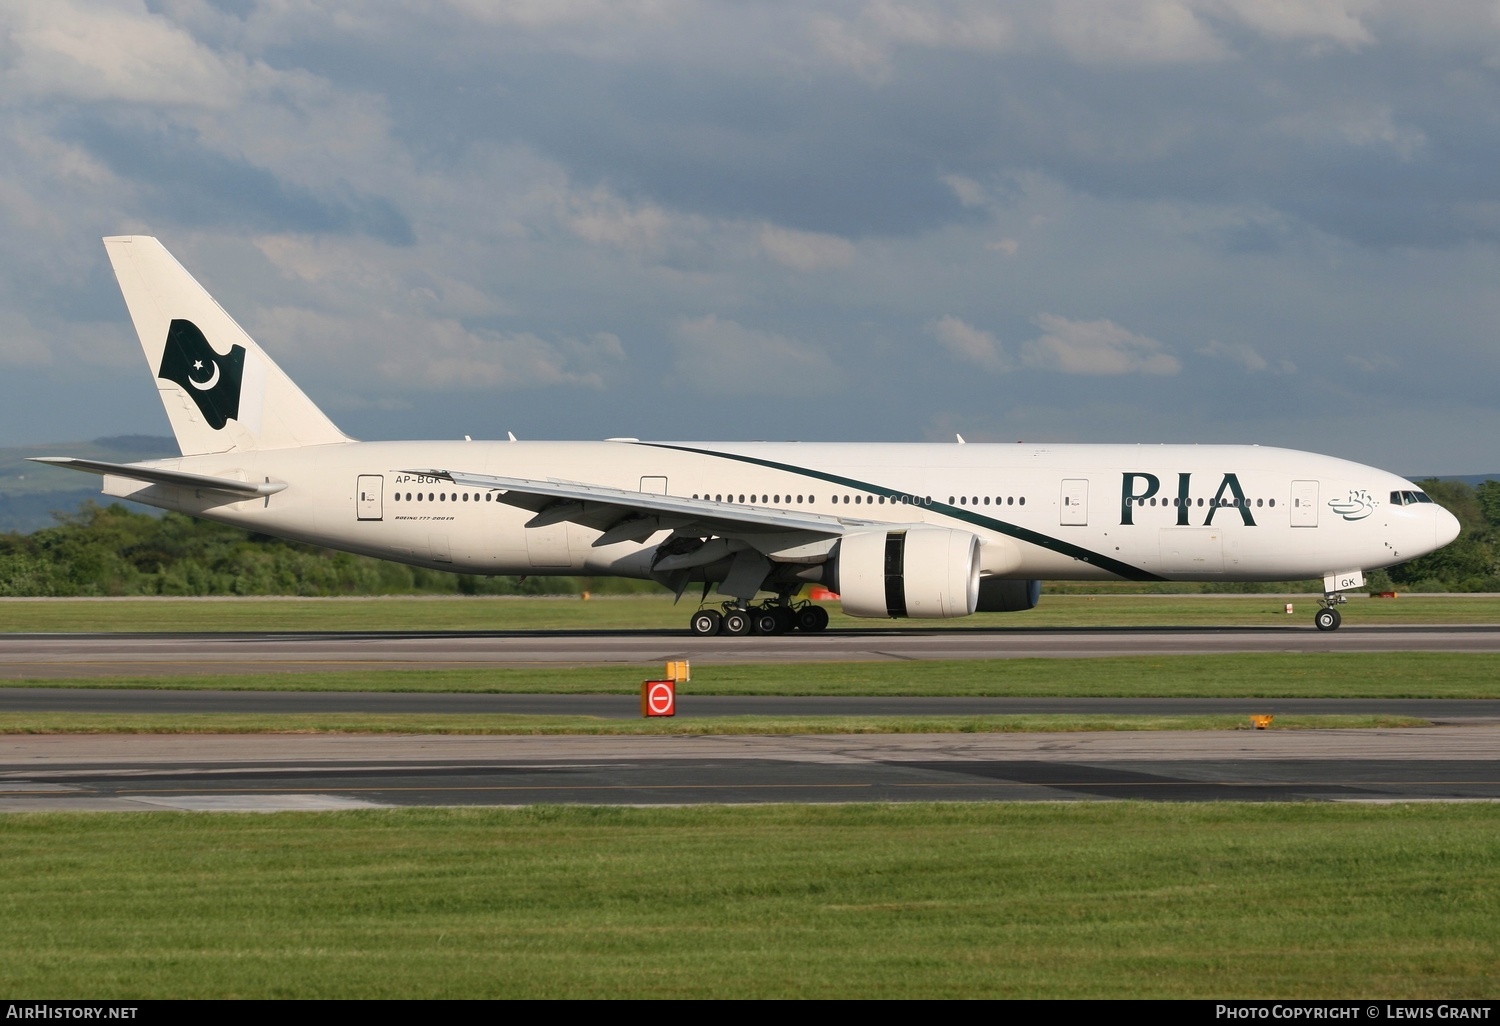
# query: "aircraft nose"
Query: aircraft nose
{"points": [[1445, 526]]}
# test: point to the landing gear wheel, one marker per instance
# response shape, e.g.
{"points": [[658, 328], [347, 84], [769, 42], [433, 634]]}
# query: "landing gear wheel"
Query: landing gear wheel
{"points": [[1327, 619], [769, 621], [736, 622], [706, 623], [812, 619]]}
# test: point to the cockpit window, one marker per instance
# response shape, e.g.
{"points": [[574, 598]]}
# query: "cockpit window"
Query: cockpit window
{"points": [[1408, 498]]}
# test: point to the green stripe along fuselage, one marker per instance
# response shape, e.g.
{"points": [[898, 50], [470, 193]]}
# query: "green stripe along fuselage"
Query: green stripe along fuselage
{"points": [[1117, 567]]}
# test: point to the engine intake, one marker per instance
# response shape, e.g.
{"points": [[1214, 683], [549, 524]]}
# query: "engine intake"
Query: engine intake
{"points": [[926, 573]]}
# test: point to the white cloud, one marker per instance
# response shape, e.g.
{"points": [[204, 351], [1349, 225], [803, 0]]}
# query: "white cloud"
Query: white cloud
{"points": [[969, 192], [344, 273], [964, 25], [1133, 31], [969, 343], [1246, 357], [804, 251], [722, 357], [865, 43], [21, 345], [600, 217], [1095, 347], [1236, 353], [534, 14], [1374, 363], [1333, 21], [430, 353], [119, 52]]}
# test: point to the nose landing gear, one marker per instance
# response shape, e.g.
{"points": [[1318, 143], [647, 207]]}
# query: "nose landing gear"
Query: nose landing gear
{"points": [[1327, 618]]}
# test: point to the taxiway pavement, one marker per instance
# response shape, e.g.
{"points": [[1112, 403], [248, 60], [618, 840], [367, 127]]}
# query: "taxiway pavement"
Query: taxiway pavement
{"points": [[691, 706], [276, 772], [41, 656]]}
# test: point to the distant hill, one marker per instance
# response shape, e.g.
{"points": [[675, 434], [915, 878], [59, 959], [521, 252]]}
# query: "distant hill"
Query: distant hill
{"points": [[30, 493]]}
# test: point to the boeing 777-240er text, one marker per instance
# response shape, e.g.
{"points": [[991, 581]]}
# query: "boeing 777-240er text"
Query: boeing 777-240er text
{"points": [[897, 530]]}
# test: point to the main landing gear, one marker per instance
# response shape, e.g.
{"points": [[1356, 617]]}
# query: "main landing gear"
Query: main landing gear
{"points": [[768, 618], [1328, 618]]}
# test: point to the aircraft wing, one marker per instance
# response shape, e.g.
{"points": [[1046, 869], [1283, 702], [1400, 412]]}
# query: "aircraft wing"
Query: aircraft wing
{"points": [[628, 515], [157, 475]]}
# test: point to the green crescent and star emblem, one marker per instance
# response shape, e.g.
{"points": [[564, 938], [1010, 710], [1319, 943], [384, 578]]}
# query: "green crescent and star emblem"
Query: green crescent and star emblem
{"points": [[211, 379]]}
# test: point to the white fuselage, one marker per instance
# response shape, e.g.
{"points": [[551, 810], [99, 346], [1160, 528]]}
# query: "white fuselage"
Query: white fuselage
{"points": [[1060, 512]]}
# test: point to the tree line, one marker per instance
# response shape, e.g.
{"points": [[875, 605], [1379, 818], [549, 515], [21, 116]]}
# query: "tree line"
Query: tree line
{"points": [[111, 550]]}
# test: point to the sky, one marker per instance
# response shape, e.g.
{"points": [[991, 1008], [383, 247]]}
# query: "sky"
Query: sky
{"points": [[1258, 221]]}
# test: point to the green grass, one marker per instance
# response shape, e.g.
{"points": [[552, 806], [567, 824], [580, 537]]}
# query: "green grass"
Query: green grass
{"points": [[485, 723], [1087, 900], [1257, 675], [659, 613]]}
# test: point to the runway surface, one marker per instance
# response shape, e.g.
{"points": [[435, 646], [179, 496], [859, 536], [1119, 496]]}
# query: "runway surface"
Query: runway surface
{"points": [[274, 772], [690, 706], [264, 772], [42, 656]]}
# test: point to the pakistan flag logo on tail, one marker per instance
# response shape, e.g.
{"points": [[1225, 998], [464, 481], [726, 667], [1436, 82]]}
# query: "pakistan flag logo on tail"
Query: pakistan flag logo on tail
{"points": [[212, 380]]}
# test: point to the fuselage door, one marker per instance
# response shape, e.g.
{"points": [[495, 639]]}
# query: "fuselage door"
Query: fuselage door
{"points": [[368, 494], [1304, 504], [1074, 508]]}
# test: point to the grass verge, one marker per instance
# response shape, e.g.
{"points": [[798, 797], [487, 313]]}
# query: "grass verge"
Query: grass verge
{"points": [[1250, 675], [481, 723], [1087, 900]]}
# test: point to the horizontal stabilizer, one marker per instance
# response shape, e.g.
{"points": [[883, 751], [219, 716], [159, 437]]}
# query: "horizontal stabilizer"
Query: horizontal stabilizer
{"points": [[156, 475]]}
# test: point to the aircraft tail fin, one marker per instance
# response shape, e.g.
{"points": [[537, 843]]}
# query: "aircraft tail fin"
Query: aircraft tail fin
{"points": [[221, 391]]}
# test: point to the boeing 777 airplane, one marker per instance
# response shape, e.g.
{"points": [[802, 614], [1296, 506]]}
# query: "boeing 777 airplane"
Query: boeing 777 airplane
{"points": [[897, 530]]}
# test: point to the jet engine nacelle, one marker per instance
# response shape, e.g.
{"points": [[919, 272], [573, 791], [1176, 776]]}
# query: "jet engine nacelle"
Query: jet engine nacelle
{"points": [[922, 572], [1001, 595]]}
